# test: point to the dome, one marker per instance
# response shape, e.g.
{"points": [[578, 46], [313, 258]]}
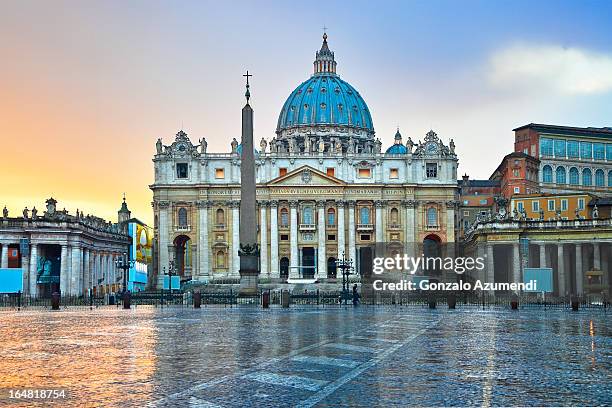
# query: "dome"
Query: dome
{"points": [[239, 149], [397, 147], [325, 99]]}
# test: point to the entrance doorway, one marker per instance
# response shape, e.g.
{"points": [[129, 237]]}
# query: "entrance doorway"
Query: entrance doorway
{"points": [[308, 262], [331, 268], [284, 268]]}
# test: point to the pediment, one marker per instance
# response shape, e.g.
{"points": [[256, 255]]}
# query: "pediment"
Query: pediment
{"points": [[306, 176]]}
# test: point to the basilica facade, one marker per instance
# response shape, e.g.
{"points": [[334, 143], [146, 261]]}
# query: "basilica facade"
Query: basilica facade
{"points": [[326, 189]]}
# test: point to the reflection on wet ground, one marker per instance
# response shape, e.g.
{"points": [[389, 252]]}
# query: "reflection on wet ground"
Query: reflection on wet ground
{"points": [[325, 357]]}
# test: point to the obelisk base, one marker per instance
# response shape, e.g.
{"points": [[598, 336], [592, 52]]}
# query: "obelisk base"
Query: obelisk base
{"points": [[249, 273]]}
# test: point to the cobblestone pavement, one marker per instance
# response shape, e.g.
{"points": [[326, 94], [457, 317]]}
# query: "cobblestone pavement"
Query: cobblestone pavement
{"points": [[305, 357]]}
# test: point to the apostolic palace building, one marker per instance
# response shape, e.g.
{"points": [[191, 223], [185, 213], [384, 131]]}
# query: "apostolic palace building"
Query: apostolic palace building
{"points": [[325, 187]]}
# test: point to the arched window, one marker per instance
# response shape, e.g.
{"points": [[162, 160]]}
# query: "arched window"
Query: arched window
{"points": [[432, 217], [599, 178], [547, 174], [394, 216], [220, 259], [610, 178], [220, 218], [284, 218], [182, 217], [364, 215], [587, 177], [307, 216], [573, 176], [560, 175], [331, 217]]}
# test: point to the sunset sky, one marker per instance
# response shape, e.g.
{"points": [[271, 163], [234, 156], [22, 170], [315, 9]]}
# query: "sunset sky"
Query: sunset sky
{"points": [[87, 87]]}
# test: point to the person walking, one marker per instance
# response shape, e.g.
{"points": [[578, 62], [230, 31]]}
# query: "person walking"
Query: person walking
{"points": [[355, 295]]}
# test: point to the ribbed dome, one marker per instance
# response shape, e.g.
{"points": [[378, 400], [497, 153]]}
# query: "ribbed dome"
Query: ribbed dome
{"points": [[325, 99], [397, 147]]}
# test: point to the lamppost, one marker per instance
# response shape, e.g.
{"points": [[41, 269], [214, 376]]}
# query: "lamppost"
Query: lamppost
{"points": [[125, 264], [345, 266]]}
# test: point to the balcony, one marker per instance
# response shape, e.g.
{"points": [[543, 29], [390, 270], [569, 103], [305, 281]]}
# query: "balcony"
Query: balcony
{"points": [[182, 228], [308, 227], [393, 226], [365, 227]]}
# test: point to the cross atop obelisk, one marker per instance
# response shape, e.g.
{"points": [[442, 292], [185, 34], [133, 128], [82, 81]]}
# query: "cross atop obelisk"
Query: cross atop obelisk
{"points": [[249, 251]]}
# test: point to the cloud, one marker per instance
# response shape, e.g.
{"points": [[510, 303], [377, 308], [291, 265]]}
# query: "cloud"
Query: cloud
{"points": [[549, 68]]}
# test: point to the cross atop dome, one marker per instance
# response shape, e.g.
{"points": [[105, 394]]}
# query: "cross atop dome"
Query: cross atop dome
{"points": [[324, 62]]}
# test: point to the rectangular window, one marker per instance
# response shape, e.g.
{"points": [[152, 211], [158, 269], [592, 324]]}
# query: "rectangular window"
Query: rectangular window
{"points": [[598, 151], [559, 148], [546, 147], [535, 206], [519, 206], [282, 171], [573, 149], [581, 203], [431, 170], [331, 172], [364, 237], [564, 204], [516, 173], [394, 173], [609, 151], [517, 190], [181, 170], [219, 173], [586, 150], [364, 173], [331, 237], [551, 205], [466, 213], [284, 237]]}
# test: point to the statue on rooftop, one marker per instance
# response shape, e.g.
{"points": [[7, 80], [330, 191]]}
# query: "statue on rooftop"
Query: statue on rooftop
{"points": [[158, 146], [25, 213], [263, 145], [203, 145], [5, 212], [34, 213]]}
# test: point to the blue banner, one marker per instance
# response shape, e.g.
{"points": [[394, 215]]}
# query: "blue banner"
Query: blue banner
{"points": [[11, 280]]}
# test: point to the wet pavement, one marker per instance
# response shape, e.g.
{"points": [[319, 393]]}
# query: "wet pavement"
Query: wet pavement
{"points": [[310, 356]]}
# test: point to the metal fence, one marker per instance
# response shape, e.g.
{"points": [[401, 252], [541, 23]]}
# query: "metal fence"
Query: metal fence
{"points": [[230, 298]]}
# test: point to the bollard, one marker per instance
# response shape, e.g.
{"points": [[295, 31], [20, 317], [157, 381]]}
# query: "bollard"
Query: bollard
{"points": [[55, 301], [265, 299], [431, 300], [197, 300], [452, 301], [575, 303], [127, 300], [285, 298]]}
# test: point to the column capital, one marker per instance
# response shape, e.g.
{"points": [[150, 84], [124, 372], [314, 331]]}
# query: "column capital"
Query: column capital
{"points": [[163, 204], [351, 203], [273, 203], [263, 203], [320, 203], [408, 203], [234, 204], [202, 204], [293, 203], [380, 203], [452, 204], [340, 203]]}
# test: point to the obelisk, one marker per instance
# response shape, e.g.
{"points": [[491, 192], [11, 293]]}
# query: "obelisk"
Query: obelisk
{"points": [[249, 251]]}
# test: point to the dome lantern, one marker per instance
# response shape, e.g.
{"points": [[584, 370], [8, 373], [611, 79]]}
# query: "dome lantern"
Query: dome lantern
{"points": [[324, 62]]}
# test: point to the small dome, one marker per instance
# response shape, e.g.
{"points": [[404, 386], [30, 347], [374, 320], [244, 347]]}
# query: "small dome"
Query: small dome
{"points": [[239, 149], [397, 149]]}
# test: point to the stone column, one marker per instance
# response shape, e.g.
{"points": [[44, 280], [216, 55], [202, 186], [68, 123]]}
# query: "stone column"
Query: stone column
{"points": [[542, 255], [596, 257], [409, 239], [321, 254], [352, 252], [340, 222], [163, 242], [33, 269], [235, 238], [25, 274], [4, 261], [75, 271], [450, 221], [86, 270], [379, 221], [516, 263], [293, 232], [490, 265], [561, 270], [203, 247], [64, 271], [263, 234], [274, 271], [579, 271]]}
